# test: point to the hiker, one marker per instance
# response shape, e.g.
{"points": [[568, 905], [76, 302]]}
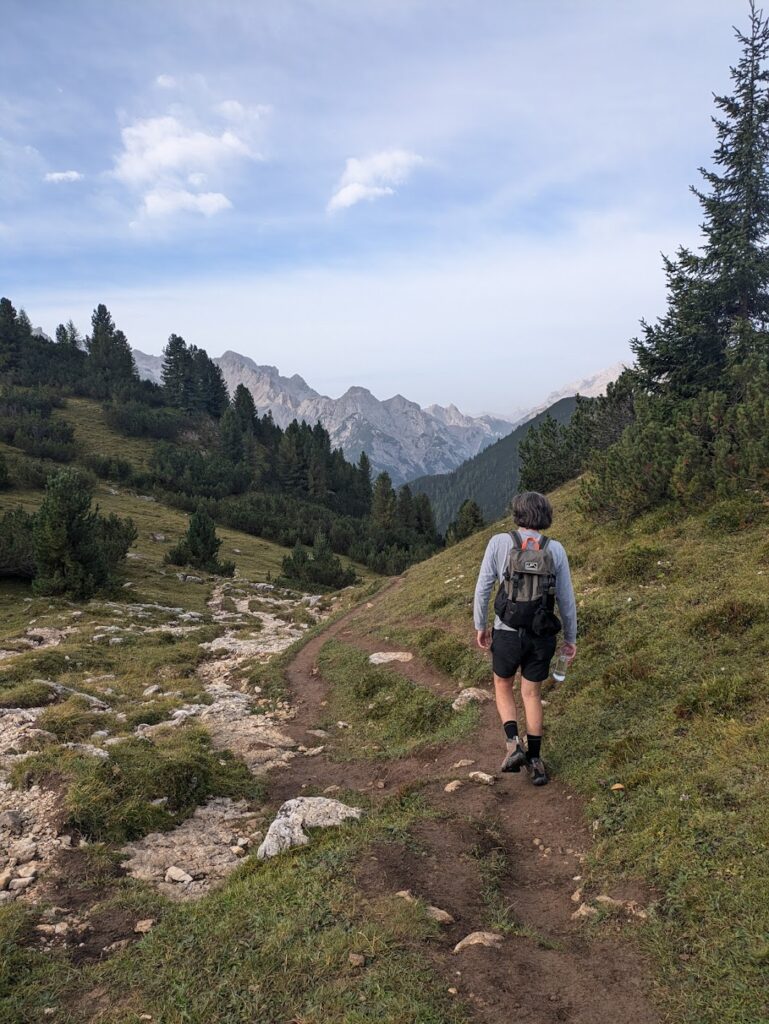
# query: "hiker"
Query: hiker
{"points": [[533, 572]]}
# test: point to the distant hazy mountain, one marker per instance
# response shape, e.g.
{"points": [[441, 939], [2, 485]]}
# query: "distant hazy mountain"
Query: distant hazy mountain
{"points": [[397, 435], [588, 387], [490, 478]]}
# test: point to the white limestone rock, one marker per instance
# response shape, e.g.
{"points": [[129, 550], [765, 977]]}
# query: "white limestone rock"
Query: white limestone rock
{"points": [[287, 830]]}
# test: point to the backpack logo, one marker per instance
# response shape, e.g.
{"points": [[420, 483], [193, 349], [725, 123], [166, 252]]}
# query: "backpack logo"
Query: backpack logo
{"points": [[533, 566]]}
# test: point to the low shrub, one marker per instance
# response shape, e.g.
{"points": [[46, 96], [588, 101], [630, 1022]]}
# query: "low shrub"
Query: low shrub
{"points": [[732, 617], [637, 563], [26, 695]]}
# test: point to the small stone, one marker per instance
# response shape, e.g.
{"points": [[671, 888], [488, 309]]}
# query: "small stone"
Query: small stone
{"points": [[406, 894], [115, 947], [465, 762], [24, 850], [576, 896], [175, 874], [28, 870], [5, 878], [144, 926], [537, 842], [584, 911], [610, 902], [453, 786], [357, 960], [62, 928], [617, 787], [470, 695], [12, 822], [343, 725], [452, 991], [151, 690], [483, 778], [490, 939], [18, 884], [314, 751], [441, 916], [238, 851]]}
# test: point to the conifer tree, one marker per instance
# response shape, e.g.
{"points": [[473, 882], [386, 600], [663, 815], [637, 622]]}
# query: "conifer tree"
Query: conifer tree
{"points": [[405, 515], [383, 503], [469, 520], [111, 361], [245, 409], [177, 374], [718, 300], [200, 546], [363, 487]]}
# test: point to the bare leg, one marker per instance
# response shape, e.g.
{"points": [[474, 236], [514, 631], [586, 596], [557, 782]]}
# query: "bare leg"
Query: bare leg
{"points": [[532, 702], [503, 690]]}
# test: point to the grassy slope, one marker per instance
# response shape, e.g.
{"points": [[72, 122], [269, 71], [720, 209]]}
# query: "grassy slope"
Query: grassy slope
{"points": [[255, 558], [668, 697]]}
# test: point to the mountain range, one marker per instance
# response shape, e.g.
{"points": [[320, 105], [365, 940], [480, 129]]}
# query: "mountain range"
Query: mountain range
{"points": [[399, 436]]}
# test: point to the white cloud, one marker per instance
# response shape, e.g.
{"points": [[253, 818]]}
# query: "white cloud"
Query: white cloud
{"points": [[197, 180], [373, 177], [160, 146], [165, 201], [57, 176], [349, 195], [165, 81]]}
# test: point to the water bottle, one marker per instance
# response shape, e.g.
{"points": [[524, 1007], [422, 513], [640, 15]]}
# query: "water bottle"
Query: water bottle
{"points": [[561, 664]]}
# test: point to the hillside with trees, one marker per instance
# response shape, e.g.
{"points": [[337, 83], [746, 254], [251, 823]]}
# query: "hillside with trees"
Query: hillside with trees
{"points": [[491, 477], [688, 421], [198, 445]]}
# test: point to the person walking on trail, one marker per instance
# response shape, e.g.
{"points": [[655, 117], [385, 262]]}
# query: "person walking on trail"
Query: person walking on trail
{"points": [[533, 573]]}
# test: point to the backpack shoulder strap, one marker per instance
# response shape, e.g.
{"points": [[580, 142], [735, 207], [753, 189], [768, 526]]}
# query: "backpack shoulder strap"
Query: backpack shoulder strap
{"points": [[543, 541], [517, 539]]}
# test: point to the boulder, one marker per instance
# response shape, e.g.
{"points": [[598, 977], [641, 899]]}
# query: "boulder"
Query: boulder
{"points": [[383, 657], [287, 830]]}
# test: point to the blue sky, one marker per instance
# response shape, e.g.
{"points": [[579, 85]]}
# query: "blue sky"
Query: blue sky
{"points": [[458, 200]]}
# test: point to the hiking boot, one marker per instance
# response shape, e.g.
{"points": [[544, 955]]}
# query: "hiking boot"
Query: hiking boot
{"points": [[515, 758], [535, 768]]}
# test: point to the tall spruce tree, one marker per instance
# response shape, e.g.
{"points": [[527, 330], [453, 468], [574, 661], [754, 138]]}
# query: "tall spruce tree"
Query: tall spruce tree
{"points": [[718, 300], [383, 503], [111, 362], [177, 374]]}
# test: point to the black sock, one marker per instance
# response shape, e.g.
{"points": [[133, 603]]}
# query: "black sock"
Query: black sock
{"points": [[511, 729], [533, 744]]}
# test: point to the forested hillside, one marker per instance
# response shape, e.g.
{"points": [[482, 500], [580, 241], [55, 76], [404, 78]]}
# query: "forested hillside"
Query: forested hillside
{"points": [[490, 478], [80, 401]]}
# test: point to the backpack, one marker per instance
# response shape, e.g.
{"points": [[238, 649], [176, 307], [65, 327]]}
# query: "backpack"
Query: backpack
{"points": [[526, 598]]}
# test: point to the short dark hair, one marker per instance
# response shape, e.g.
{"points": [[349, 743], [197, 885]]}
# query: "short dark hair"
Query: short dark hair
{"points": [[532, 510]]}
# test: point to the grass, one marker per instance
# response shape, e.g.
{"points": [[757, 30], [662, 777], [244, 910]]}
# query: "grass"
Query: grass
{"points": [[94, 437], [388, 715], [111, 799], [669, 696], [272, 945]]}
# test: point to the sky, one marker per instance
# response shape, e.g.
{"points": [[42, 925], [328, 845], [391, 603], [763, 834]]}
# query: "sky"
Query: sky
{"points": [[455, 200]]}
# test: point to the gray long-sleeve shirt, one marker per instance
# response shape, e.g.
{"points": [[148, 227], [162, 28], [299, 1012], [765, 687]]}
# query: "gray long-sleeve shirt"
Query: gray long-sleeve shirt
{"points": [[493, 569]]}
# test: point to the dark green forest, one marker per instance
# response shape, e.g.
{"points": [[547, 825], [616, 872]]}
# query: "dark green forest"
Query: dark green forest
{"points": [[490, 478], [209, 450]]}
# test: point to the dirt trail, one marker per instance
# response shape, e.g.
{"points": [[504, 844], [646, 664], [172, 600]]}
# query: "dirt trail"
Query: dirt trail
{"points": [[552, 969]]}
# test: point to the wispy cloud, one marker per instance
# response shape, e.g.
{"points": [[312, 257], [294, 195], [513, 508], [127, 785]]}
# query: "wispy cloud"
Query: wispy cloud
{"points": [[170, 158], [161, 146], [165, 201], [166, 81], [373, 177], [59, 176]]}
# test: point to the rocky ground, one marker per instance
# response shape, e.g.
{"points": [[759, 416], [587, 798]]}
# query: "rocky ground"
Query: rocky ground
{"points": [[257, 623]]}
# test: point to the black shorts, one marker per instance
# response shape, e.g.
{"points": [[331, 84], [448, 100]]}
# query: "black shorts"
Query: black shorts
{"points": [[517, 649]]}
